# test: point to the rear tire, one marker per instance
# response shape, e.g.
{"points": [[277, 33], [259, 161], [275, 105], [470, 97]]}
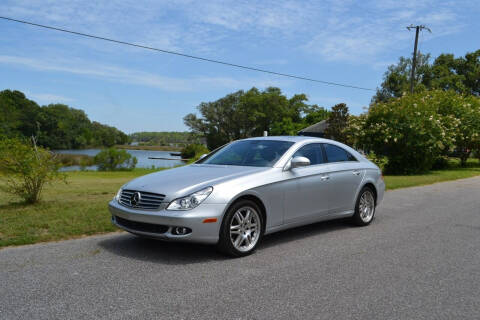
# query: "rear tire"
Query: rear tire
{"points": [[364, 207], [241, 229]]}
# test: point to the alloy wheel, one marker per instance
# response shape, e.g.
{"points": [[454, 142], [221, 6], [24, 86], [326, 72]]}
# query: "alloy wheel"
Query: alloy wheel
{"points": [[245, 228], [366, 206]]}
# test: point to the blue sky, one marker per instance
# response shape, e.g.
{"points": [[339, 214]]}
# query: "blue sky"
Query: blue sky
{"points": [[138, 90]]}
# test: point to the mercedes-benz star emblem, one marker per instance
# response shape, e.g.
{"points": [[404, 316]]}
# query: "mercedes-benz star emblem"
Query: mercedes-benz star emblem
{"points": [[135, 198]]}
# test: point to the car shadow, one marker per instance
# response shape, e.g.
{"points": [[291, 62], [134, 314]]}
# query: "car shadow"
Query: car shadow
{"points": [[174, 253], [133, 247], [303, 232]]}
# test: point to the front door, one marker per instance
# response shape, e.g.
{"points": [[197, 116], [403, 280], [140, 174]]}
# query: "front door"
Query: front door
{"points": [[306, 193]]}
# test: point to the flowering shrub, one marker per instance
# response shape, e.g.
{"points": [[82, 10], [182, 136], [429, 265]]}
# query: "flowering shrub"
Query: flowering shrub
{"points": [[414, 130], [463, 113], [354, 131], [380, 161]]}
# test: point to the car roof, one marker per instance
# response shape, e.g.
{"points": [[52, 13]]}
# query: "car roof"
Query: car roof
{"points": [[290, 138], [305, 139]]}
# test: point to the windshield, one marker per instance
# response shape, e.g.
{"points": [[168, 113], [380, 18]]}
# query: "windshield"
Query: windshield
{"points": [[255, 153]]}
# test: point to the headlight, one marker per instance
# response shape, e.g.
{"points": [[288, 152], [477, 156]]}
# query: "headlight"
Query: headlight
{"points": [[190, 201], [117, 196]]}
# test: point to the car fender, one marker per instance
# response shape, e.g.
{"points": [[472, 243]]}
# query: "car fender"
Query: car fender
{"points": [[368, 179], [249, 192]]}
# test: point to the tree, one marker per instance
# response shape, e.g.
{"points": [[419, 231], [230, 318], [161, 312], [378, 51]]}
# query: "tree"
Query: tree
{"points": [[396, 80], [18, 115], [193, 151], [414, 131], [165, 138], [408, 131], [353, 131], [462, 115], [461, 75], [57, 126], [27, 168], [337, 123], [246, 114], [62, 127], [315, 114]]}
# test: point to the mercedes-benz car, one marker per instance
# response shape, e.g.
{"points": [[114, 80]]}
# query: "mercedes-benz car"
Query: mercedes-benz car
{"points": [[248, 188]]}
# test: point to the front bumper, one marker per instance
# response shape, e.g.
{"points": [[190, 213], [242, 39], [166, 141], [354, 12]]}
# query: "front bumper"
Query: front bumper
{"points": [[161, 223]]}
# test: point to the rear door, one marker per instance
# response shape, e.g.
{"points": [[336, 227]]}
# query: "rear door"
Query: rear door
{"points": [[346, 174]]}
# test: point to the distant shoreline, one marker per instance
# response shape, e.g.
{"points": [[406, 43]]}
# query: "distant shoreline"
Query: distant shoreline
{"points": [[153, 148], [128, 147]]}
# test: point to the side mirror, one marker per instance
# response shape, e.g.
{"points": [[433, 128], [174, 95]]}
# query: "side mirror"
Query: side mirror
{"points": [[297, 162], [202, 156]]}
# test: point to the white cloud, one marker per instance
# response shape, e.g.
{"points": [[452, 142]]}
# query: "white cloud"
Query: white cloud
{"points": [[136, 77], [334, 30], [377, 27]]}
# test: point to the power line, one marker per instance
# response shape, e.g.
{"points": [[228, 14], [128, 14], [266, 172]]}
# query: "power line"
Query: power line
{"points": [[186, 55]]}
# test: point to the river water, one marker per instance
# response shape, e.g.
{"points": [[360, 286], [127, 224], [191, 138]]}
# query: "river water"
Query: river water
{"points": [[141, 155]]}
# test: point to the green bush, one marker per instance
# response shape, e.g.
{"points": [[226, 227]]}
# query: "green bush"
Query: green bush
{"points": [[81, 160], [27, 168], [193, 151], [462, 113], [415, 131], [112, 159], [380, 161], [440, 163], [408, 131], [476, 154]]}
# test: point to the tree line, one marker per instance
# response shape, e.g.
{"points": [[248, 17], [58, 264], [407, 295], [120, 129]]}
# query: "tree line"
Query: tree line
{"points": [[164, 138], [447, 72], [249, 113], [403, 133], [55, 126], [418, 132]]}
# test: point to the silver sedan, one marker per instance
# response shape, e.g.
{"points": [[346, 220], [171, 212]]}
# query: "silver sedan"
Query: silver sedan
{"points": [[246, 189]]}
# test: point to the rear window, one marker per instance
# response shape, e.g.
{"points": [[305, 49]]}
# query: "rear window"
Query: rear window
{"points": [[337, 154]]}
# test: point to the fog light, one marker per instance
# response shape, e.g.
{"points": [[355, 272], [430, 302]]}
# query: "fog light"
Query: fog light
{"points": [[180, 231]]}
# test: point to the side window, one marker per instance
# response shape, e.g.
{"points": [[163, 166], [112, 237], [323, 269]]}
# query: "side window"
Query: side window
{"points": [[337, 154], [311, 151]]}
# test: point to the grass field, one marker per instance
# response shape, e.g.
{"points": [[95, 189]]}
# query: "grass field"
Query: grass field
{"points": [[67, 210], [79, 208], [396, 182], [453, 173]]}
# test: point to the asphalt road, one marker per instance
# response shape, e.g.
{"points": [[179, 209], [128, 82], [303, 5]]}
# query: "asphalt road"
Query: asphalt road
{"points": [[420, 259]]}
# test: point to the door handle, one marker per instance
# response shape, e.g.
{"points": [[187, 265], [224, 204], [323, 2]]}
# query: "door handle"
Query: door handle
{"points": [[324, 178], [356, 172]]}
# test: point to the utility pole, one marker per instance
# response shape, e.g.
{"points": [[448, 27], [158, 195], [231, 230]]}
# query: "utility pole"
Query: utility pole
{"points": [[414, 61]]}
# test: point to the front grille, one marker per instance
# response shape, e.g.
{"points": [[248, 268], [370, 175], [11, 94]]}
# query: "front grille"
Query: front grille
{"points": [[141, 226], [146, 200]]}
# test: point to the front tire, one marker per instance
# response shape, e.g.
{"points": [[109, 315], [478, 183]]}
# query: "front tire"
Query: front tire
{"points": [[364, 207], [241, 229]]}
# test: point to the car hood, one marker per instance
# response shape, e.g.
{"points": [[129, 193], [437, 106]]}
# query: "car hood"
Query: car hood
{"points": [[181, 181]]}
